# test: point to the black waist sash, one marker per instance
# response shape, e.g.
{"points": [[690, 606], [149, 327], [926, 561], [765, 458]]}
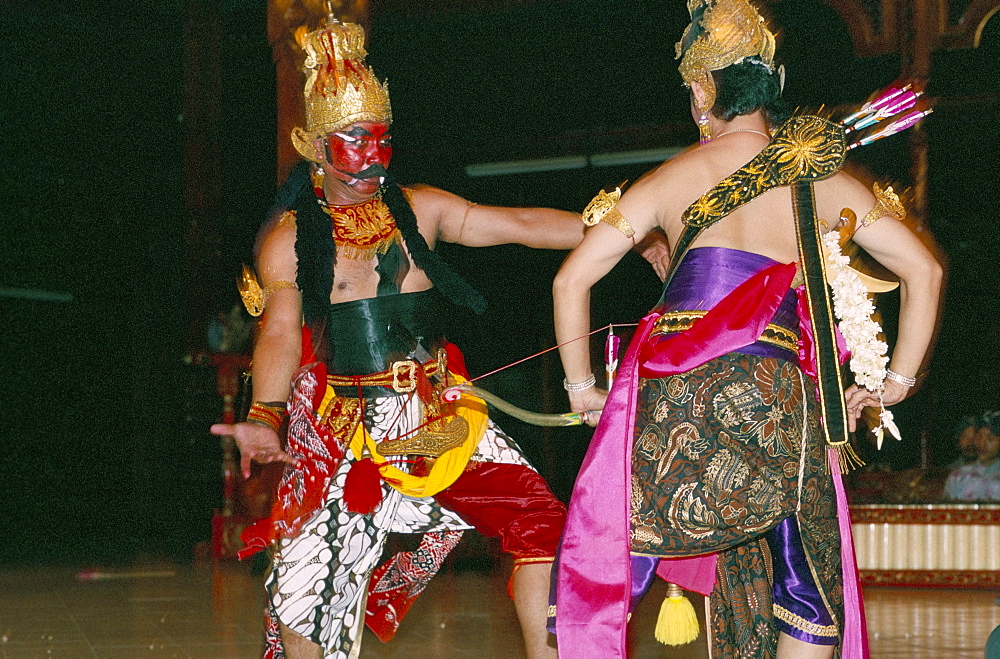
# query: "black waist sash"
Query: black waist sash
{"points": [[367, 336]]}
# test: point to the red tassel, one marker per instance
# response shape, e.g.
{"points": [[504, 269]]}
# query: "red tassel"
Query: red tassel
{"points": [[425, 390], [363, 487]]}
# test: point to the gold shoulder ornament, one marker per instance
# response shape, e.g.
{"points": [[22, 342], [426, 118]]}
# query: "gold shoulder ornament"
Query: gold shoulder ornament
{"points": [[254, 297], [602, 209], [886, 203]]}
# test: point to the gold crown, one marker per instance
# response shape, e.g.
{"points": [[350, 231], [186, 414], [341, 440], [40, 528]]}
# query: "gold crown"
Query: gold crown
{"points": [[721, 33], [340, 88]]}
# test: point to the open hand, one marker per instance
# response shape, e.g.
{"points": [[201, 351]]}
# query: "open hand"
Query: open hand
{"points": [[257, 443]]}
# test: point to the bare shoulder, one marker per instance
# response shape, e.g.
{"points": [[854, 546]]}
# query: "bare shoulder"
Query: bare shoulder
{"points": [[843, 191], [651, 184], [276, 249], [428, 200], [665, 191], [439, 213]]}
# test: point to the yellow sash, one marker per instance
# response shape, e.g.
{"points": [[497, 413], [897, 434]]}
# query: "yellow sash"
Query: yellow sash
{"points": [[445, 469]]}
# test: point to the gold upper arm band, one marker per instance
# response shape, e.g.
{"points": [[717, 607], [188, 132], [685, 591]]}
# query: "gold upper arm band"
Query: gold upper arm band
{"points": [[618, 221], [255, 298], [886, 203], [602, 209]]}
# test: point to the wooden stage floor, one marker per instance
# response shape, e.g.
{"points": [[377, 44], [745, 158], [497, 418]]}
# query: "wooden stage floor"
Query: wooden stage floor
{"points": [[213, 612]]}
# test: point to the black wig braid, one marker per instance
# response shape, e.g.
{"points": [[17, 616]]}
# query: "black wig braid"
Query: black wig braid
{"points": [[456, 289]]}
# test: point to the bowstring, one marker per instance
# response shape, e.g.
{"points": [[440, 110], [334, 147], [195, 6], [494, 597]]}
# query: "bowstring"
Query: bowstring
{"points": [[609, 326]]}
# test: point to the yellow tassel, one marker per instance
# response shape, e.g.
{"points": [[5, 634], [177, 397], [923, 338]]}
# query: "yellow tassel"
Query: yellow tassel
{"points": [[677, 623], [849, 459]]}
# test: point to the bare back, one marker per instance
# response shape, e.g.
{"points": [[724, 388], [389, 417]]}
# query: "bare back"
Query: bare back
{"points": [[764, 226]]}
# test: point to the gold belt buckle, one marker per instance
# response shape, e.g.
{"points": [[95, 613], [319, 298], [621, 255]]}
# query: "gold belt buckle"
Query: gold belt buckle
{"points": [[404, 368]]}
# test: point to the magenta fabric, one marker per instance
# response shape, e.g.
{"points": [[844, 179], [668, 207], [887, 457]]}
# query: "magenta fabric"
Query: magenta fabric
{"points": [[807, 341], [594, 579], [594, 582], [696, 574], [736, 321], [855, 633]]}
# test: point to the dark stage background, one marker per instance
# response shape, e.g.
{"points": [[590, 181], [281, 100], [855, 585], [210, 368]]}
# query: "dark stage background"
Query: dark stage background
{"points": [[106, 405]]}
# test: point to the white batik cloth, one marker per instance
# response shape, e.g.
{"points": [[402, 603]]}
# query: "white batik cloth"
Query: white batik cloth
{"points": [[319, 579]]}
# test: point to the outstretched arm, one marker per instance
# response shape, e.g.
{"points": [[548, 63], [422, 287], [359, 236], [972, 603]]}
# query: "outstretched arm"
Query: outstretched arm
{"points": [[277, 351], [456, 220]]}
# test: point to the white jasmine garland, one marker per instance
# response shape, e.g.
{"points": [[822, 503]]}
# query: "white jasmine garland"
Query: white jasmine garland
{"points": [[854, 308]]}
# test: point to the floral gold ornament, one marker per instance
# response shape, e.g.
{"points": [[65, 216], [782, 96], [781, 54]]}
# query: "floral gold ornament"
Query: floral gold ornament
{"points": [[804, 148], [364, 230], [360, 231], [721, 33], [602, 209], [886, 203], [341, 89]]}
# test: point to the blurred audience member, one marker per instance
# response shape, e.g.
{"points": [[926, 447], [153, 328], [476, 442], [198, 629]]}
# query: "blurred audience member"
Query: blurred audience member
{"points": [[979, 480], [967, 438]]}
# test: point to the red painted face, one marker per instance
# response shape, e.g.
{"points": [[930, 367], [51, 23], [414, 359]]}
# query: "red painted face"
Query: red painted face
{"points": [[358, 155]]}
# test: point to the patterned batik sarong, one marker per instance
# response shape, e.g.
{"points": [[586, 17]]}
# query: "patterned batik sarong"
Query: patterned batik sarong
{"points": [[735, 444], [322, 576]]}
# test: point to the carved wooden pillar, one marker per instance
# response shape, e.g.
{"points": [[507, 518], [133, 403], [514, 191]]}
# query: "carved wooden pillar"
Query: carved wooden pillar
{"points": [[284, 17]]}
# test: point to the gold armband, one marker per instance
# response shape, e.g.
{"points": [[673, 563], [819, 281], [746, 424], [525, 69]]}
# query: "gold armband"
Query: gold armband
{"points": [[886, 203], [602, 209], [255, 298]]}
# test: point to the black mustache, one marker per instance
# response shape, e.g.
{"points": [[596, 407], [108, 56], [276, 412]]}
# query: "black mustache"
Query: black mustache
{"points": [[371, 171]]}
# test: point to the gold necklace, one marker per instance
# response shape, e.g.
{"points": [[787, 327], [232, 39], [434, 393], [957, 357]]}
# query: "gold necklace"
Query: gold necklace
{"points": [[360, 231]]}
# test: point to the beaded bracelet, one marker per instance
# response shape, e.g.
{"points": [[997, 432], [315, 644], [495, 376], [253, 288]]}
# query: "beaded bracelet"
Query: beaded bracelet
{"points": [[899, 379], [266, 414], [580, 386]]}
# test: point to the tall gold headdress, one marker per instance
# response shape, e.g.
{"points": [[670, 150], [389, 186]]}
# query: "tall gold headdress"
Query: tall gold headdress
{"points": [[341, 89], [721, 33]]}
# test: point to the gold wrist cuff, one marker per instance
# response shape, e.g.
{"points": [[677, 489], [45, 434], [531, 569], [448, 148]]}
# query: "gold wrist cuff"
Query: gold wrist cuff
{"points": [[267, 415]]}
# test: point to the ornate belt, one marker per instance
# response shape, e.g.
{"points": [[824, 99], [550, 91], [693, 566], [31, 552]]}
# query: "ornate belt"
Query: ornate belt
{"points": [[441, 431], [679, 321], [401, 377]]}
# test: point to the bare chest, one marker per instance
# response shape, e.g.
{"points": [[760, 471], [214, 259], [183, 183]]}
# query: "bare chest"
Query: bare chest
{"points": [[357, 278]]}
